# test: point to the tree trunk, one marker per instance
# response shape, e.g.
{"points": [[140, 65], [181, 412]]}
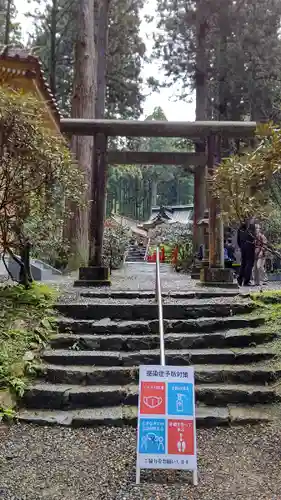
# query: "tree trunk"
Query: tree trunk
{"points": [[137, 199], [222, 66], [149, 198], [53, 40], [201, 114], [25, 275], [99, 163], [201, 61], [178, 190], [101, 32], [8, 22], [154, 193], [83, 106]]}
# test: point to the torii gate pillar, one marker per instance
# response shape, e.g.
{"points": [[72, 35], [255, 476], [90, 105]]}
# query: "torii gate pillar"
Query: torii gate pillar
{"points": [[199, 205], [215, 274]]}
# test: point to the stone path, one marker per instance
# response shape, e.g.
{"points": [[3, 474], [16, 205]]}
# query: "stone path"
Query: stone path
{"points": [[140, 276]]}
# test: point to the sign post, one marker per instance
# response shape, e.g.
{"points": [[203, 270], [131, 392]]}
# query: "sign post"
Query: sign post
{"points": [[166, 420]]}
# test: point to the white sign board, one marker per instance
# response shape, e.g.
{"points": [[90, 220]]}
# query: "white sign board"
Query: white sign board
{"points": [[166, 419]]}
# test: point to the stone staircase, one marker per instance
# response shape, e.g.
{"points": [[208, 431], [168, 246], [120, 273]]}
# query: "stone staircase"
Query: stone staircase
{"points": [[90, 371], [135, 254]]}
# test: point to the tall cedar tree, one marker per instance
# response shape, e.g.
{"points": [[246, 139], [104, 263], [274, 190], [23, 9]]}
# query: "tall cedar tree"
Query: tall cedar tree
{"points": [[54, 36], [83, 106], [10, 32], [242, 47]]}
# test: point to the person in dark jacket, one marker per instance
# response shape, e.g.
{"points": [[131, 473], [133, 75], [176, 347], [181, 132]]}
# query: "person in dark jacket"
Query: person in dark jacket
{"points": [[246, 243]]}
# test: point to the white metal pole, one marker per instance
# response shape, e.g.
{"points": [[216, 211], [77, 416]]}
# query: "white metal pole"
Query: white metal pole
{"points": [[221, 242], [160, 309], [138, 475], [195, 477]]}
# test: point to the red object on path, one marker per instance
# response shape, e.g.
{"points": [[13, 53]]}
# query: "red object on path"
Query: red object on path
{"points": [[162, 257]]}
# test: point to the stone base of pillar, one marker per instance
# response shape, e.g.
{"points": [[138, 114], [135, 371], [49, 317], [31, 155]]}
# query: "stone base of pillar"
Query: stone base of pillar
{"points": [[217, 277], [93, 277], [196, 269]]}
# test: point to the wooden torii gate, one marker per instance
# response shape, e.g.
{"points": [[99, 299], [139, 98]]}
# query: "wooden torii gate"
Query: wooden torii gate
{"points": [[210, 131]]}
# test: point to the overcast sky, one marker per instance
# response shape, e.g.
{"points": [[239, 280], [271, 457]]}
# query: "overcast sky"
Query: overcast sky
{"points": [[174, 110]]}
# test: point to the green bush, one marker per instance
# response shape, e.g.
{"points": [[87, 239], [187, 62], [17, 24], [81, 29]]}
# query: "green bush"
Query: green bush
{"points": [[26, 322], [173, 236], [38, 175], [116, 240]]}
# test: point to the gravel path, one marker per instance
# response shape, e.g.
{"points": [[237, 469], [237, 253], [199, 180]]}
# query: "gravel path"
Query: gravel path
{"points": [[141, 277], [88, 464], [77, 298]]}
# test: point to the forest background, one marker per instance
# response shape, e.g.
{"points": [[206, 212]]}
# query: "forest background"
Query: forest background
{"points": [[227, 54]]}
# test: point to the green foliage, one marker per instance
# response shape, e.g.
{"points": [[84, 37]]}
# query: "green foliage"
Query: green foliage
{"points": [[133, 190], [116, 240], [269, 304], [26, 322], [183, 242], [54, 36], [272, 227], [37, 175], [175, 236], [243, 184], [242, 60], [7, 414], [268, 297], [8, 25], [38, 295]]}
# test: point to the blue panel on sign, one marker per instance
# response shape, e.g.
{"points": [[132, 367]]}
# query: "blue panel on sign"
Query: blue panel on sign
{"points": [[180, 399], [152, 436]]}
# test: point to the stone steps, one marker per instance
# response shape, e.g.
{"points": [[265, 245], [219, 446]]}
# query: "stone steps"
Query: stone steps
{"points": [[127, 415], [139, 311], [128, 343], [136, 254], [200, 325], [134, 258], [181, 357], [63, 396], [148, 294], [204, 374], [89, 374]]}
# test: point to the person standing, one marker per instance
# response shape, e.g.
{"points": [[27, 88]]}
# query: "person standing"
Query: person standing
{"points": [[246, 243], [260, 251], [229, 254]]}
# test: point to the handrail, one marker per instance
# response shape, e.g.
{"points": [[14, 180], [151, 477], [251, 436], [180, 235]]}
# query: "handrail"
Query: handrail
{"points": [[147, 250], [158, 298], [125, 255]]}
